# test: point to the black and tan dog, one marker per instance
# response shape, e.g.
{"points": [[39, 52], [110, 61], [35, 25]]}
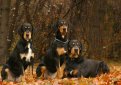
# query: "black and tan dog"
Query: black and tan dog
{"points": [[55, 57], [77, 66], [22, 55]]}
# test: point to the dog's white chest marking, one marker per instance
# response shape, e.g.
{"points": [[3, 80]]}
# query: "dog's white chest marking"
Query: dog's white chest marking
{"points": [[63, 36], [28, 55]]}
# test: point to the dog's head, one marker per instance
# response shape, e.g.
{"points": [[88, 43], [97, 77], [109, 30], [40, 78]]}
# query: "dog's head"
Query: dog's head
{"points": [[61, 29], [74, 48], [26, 31], [60, 48]]}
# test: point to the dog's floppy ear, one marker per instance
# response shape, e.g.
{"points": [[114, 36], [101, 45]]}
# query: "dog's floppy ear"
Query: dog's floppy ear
{"points": [[33, 30], [69, 48], [20, 31], [80, 47], [55, 26]]}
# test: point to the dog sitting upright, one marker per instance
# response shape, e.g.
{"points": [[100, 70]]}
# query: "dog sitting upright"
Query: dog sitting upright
{"points": [[54, 61], [78, 66], [22, 55]]}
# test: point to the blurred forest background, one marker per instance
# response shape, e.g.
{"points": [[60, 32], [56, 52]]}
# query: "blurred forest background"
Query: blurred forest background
{"points": [[95, 23]]}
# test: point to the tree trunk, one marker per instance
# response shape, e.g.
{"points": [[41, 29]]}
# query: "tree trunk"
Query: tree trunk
{"points": [[13, 23], [4, 30]]}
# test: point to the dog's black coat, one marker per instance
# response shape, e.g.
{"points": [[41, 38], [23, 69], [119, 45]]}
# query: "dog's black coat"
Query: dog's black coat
{"points": [[15, 64], [84, 67], [91, 68], [24, 62], [52, 59]]}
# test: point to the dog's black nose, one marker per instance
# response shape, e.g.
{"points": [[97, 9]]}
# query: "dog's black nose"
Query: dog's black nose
{"points": [[76, 50], [64, 29]]}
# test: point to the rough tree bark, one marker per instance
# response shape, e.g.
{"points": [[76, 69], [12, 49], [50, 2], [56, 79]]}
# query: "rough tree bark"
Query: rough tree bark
{"points": [[4, 30], [13, 23]]}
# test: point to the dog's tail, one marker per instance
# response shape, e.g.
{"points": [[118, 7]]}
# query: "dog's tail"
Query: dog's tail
{"points": [[104, 67], [4, 72]]}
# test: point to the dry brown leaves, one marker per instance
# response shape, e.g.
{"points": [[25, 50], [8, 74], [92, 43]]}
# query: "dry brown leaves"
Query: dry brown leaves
{"points": [[112, 78]]}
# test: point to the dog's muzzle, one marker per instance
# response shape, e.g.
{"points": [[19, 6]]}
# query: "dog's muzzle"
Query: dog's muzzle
{"points": [[76, 49], [27, 34]]}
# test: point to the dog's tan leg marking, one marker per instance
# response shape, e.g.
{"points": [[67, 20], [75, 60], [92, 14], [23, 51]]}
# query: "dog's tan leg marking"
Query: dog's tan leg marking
{"points": [[60, 70], [43, 71]]}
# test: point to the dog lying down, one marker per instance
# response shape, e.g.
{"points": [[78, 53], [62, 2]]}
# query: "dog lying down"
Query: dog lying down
{"points": [[77, 66]]}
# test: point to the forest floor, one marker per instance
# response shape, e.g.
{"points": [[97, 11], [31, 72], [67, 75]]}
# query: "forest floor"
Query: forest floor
{"points": [[112, 78]]}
